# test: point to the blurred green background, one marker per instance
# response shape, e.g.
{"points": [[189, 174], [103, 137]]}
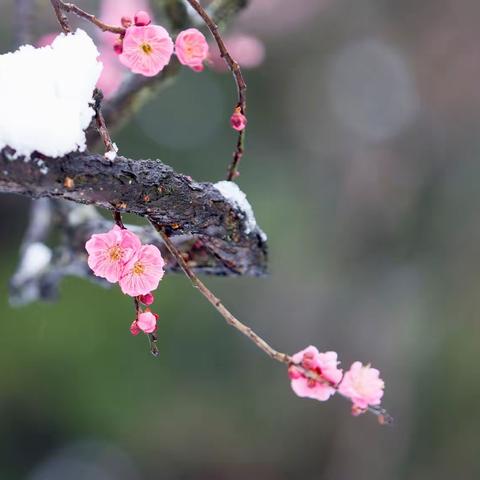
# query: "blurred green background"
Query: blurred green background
{"points": [[362, 164]]}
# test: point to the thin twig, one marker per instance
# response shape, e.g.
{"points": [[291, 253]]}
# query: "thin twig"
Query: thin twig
{"points": [[61, 7], [383, 416], [103, 131], [231, 319], [239, 81], [152, 337], [58, 6], [117, 218]]}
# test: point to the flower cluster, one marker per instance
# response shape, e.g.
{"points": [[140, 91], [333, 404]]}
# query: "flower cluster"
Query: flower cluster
{"points": [[147, 48], [316, 375], [119, 256]]}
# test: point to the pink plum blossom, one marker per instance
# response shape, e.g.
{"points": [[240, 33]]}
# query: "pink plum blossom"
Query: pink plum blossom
{"points": [[147, 322], [191, 48], [363, 385], [108, 252], [146, 50], [114, 12], [323, 366], [238, 120], [143, 272]]}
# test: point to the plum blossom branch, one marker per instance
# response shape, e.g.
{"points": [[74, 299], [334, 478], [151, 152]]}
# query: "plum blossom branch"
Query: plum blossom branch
{"points": [[146, 188], [216, 302], [137, 89], [234, 67], [110, 147], [58, 6], [313, 374], [152, 337], [238, 119], [370, 391], [62, 7]]}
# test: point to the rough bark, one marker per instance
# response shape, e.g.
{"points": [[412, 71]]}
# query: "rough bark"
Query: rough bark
{"points": [[149, 189]]}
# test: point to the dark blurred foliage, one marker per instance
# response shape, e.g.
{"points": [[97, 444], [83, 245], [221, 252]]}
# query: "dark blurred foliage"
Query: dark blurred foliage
{"points": [[363, 166]]}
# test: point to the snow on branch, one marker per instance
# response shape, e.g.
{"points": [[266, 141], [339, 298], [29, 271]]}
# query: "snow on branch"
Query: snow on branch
{"points": [[232, 244], [48, 94]]}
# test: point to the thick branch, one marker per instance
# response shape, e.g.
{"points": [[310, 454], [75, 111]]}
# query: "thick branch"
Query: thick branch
{"points": [[149, 189]]}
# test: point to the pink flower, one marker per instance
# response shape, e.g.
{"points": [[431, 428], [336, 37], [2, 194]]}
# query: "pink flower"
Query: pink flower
{"points": [[108, 252], [191, 48], [146, 50], [238, 121], [321, 365], [147, 322], [147, 299], [143, 272], [363, 385]]}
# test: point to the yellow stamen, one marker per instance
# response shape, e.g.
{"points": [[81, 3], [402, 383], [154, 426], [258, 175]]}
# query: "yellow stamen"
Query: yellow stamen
{"points": [[138, 268], [115, 253], [147, 48]]}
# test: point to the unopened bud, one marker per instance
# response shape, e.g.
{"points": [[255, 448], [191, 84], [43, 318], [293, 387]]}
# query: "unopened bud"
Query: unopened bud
{"points": [[142, 19]]}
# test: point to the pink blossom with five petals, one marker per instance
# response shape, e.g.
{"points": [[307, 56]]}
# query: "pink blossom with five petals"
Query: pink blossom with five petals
{"points": [[108, 252], [325, 373], [146, 50], [362, 385], [143, 272], [147, 322], [191, 48]]}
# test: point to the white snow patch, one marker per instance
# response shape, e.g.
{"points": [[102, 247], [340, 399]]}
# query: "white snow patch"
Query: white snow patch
{"points": [[238, 199], [36, 258], [112, 154], [46, 95]]}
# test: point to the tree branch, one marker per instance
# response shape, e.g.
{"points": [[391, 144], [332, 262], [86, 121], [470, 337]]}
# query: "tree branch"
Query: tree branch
{"points": [[149, 189], [62, 7], [215, 301], [239, 81]]}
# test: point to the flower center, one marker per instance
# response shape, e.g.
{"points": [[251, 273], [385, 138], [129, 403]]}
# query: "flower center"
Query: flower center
{"points": [[147, 48], [138, 268], [115, 253]]}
